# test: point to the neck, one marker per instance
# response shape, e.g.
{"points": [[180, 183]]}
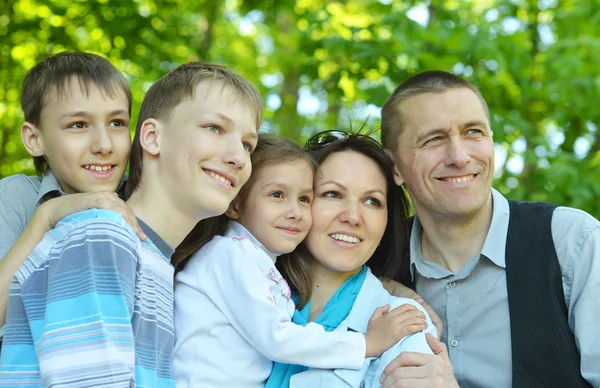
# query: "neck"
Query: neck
{"points": [[171, 224], [325, 283], [452, 242]]}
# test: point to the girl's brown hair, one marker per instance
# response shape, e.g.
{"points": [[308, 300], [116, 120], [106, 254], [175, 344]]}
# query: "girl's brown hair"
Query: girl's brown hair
{"points": [[270, 150]]}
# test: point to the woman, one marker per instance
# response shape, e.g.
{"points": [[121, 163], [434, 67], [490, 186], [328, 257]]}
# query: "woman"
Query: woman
{"points": [[359, 216]]}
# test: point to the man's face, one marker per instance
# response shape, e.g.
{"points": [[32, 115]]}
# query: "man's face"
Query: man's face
{"points": [[445, 154], [85, 138]]}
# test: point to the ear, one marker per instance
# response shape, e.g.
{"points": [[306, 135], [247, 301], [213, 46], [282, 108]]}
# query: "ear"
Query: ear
{"points": [[32, 139], [397, 176], [150, 132], [233, 211]]}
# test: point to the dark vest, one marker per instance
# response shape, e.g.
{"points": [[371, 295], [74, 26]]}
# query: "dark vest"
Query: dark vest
{"points": [[544, 353]]}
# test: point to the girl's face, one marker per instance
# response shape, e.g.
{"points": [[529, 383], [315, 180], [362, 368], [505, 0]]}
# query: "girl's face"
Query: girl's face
{"points": [[349, 212], [276, 209]]}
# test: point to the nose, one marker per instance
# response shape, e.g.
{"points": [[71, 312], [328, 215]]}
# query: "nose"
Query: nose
{"points": [[457, 154], [351, 214], [235, 155], [102, 142], [293, 211]]}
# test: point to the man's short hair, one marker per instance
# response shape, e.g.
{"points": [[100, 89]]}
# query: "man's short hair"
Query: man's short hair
{"points": [[392, 122], [54, 75], [176, 86]]}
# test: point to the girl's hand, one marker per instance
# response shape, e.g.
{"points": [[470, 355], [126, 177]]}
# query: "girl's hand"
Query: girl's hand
{"points": [[401, 291], [54, 210], [387, 327]]}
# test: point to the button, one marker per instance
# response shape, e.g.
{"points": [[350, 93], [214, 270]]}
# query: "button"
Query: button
{"points": [[452, 284], [454, 343]]}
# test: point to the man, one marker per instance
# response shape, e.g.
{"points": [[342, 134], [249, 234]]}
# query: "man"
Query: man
{"points": [[515, 284]]}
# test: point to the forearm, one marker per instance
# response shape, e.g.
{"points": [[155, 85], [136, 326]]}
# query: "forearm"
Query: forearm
{"points": [[14, 258]]}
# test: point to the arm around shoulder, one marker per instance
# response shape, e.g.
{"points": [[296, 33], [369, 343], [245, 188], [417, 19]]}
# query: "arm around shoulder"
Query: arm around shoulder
{"points": [[86, 333]]}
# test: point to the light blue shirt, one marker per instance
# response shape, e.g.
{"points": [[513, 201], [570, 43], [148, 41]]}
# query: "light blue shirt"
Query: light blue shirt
{"points": [[473, 303], [20, 195], [91, 306], [371, 295]]}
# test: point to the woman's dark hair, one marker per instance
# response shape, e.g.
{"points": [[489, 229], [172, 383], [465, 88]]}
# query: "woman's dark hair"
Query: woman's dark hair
{"points": [[387, 258], [270, 150]]}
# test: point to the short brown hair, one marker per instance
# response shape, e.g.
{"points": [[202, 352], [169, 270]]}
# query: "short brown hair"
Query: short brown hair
{"points": [[270, 150], [176, 86], [427, 82], [55, 72]]}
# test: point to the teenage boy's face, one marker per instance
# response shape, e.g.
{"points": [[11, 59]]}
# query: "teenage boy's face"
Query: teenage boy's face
{"points": [[85, 138], [206, 149]]}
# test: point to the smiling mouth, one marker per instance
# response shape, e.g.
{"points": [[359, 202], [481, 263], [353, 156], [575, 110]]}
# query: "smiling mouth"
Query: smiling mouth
{"points": [[97, 168], [219, 177], [290, 230], [345, 238], [459, 179]]}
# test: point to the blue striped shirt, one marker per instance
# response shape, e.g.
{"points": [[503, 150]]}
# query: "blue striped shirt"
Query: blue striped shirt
{"points": [[91, 306]]}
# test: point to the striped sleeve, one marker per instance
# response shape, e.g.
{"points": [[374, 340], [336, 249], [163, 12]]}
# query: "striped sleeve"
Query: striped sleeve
{"points": [[80, 305]]}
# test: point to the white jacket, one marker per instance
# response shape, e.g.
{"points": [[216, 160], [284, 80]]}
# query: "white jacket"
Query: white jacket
{"points": [[371, 295], [233, 315]]}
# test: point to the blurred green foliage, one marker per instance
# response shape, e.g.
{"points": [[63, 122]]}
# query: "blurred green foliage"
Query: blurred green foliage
{"points": [[326, 64]]}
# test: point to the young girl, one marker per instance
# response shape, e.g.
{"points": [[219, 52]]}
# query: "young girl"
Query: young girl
{"points": [[233, 309]]}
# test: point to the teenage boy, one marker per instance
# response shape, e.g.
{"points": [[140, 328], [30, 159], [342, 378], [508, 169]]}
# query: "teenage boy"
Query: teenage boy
{"points": [[77, 109], [93, 304]]}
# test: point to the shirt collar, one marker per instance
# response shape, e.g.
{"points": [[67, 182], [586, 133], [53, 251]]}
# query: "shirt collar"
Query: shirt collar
{"points": [[239, 231], [49, 188], [158, 241], [494, 247]]}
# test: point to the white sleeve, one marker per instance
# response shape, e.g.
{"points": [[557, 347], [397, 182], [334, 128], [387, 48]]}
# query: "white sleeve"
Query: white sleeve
{"points": [[240, 290]]}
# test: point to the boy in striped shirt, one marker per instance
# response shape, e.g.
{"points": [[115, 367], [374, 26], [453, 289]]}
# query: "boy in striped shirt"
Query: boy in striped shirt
{"points": [[92, 305]]}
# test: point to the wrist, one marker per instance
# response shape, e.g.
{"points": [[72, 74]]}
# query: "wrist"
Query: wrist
{"points": [[40, 221]]}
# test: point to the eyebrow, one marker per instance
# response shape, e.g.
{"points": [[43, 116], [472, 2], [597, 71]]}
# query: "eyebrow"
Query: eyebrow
{"points": [[375, 191], [84, 113], [341, 186]]}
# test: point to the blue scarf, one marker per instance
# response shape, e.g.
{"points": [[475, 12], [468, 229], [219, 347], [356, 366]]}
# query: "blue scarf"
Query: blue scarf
{"points": [[335, 311]]}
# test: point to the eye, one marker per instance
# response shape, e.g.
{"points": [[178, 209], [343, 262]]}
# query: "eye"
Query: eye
{"points": [[276, 194], [249, 147], [212, 128], [433, 140], [331, 194], [77, 125], [474, 131], [373, 202], [305, 199], [117, 123]]}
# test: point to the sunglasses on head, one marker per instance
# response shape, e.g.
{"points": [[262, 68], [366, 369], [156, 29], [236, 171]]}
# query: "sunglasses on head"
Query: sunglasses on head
{"points": [[323, 139]]}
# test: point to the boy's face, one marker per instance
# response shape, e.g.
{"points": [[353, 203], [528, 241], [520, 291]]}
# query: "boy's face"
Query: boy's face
{"points": [[276, 209], [205, 150], [85, 138]]}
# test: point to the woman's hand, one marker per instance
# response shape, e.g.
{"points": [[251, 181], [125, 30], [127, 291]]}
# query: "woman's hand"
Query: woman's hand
{"points": [[401, 291], [54, 210], [387, 327]]}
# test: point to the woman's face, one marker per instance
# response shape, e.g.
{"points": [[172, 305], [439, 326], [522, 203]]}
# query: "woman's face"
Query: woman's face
{"points": [[349, 211]]}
